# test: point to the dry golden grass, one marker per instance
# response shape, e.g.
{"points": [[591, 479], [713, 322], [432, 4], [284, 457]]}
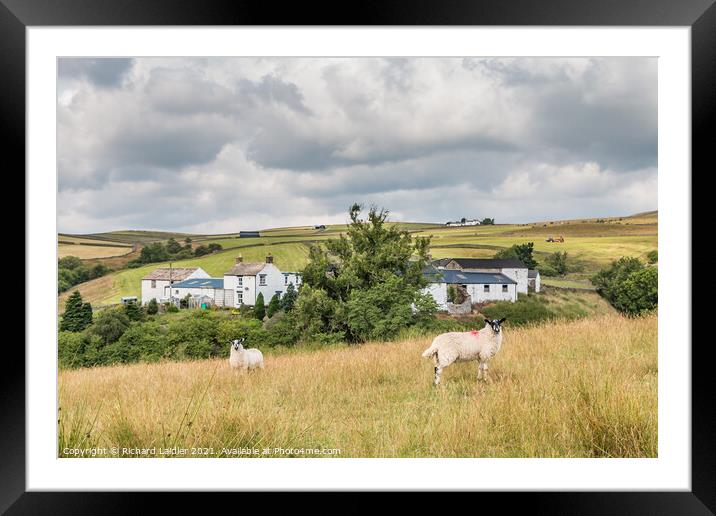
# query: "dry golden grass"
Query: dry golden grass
{"points": [[573, 389], [86, 252]]}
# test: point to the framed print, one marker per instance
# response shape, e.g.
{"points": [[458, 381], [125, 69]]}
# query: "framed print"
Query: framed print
{"points": [[414, 250]]}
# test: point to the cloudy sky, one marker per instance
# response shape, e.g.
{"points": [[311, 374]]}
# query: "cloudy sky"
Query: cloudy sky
{"points": [[219, 145]]}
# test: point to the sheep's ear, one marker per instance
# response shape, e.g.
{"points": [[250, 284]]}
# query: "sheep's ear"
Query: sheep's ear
{"points": [[502, 320], [487, 321]]}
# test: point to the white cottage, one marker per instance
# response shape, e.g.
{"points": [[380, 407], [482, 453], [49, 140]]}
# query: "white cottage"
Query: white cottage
{"points": [[244, 281], [157, 284]]}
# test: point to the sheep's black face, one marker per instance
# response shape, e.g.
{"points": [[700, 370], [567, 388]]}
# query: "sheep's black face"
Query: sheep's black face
{"points": [[495, 324], [237, 344]]}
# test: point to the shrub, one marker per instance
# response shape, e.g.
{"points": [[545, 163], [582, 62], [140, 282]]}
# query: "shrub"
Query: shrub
{"points": [[152, 306], [259, 307], [652, 256], [630, 286], [289, 298], [558, 262], [110, 324], [527, 309], [273, 306], [133, 311], [172, 308]]}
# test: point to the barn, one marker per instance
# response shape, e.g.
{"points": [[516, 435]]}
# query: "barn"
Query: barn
{"points": [[480, 286], [514, 269]]}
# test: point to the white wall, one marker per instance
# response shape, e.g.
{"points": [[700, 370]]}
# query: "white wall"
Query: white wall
{"points": [[478, 294], [520, 276], [439, 293], [275, 282], [247, 289]]}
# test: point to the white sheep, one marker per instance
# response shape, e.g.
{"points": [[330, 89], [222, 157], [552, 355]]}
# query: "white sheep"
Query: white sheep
{"points": [[245, 359], [480, 345]]}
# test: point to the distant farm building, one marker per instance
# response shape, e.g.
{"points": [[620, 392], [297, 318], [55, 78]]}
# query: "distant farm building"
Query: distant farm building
{"points": [[239, 286], [463, 222], [249, 234], [320, 226]]}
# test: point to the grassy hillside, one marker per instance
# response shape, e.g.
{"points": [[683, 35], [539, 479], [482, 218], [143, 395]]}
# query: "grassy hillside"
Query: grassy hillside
{"points": [[586, 388]]}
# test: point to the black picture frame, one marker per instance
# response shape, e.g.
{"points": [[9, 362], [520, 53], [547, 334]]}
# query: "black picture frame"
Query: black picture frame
{"points": [[700, 15]]}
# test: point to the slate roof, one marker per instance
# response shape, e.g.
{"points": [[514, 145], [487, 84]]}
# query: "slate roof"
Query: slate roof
{"points": [[452, 276], [245, 269], [174, 273], [482, 263], [200, 283], [532, 273]]}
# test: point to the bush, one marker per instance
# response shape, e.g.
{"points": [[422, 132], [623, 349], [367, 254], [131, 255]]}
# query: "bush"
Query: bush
{"points": [[110, 324], [521, 252], [630, 286], [172, 308], [133, 311], [273, 306], [652, 256], [527, 309], [152, 306], [259, 307], [289, 298], [558, 263]]}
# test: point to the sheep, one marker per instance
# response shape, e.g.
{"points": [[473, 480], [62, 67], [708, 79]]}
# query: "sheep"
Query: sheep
{"points": [[480, 345], [245, 359]]}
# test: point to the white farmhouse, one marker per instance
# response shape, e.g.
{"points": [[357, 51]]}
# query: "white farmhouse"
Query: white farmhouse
{"points": [[514, 269], [481, 286], [244, 281], [157, 284]]}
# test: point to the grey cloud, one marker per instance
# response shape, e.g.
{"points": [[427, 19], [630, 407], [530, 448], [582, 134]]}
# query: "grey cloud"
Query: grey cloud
{"points": [[104, 72]]}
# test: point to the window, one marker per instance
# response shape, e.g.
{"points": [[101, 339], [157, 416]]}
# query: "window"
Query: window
{"points": [[285, 279], [278, 293], [262, 279], [176, 291], [486, 288], [154, 283], [504, 288], [240, 297], [241, 281]]}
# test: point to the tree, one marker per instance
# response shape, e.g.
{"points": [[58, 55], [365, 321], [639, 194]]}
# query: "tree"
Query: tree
{"points": [[151, 253], [630, 286], [201, 250], [558, 262], [344, 278], [173, 247], [521, 252], [653, 256], [75, 317], [487, 221], [273, 306], [152, 307], [214, 247], [259, 307], [134, 311], [110, 325], [289, 298]]}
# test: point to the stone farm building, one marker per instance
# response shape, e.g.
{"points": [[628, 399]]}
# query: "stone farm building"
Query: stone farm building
{"points": [[482, 279], [240, 285]]}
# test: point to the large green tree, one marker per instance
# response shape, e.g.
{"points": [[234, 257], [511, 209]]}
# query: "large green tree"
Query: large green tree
{"points": [[629, 285], [365, 284], [78, 315], [522, 252]]}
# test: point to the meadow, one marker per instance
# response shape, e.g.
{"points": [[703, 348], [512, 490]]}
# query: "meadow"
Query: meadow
{"points": [[584, 388]]}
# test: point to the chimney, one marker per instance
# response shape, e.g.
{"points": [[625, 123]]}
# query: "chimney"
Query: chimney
{"points": [[239, 259], [269, 258]]}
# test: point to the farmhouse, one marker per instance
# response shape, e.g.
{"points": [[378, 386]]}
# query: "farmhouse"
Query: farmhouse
{"points": [[239, 286], [157, 284], [514, 269], [463, 222], [244, 281], [480, 286]]}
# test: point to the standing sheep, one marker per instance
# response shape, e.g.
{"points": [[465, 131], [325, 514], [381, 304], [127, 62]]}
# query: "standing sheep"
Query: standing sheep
{"points": [[245, 359], [480, 345]]}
